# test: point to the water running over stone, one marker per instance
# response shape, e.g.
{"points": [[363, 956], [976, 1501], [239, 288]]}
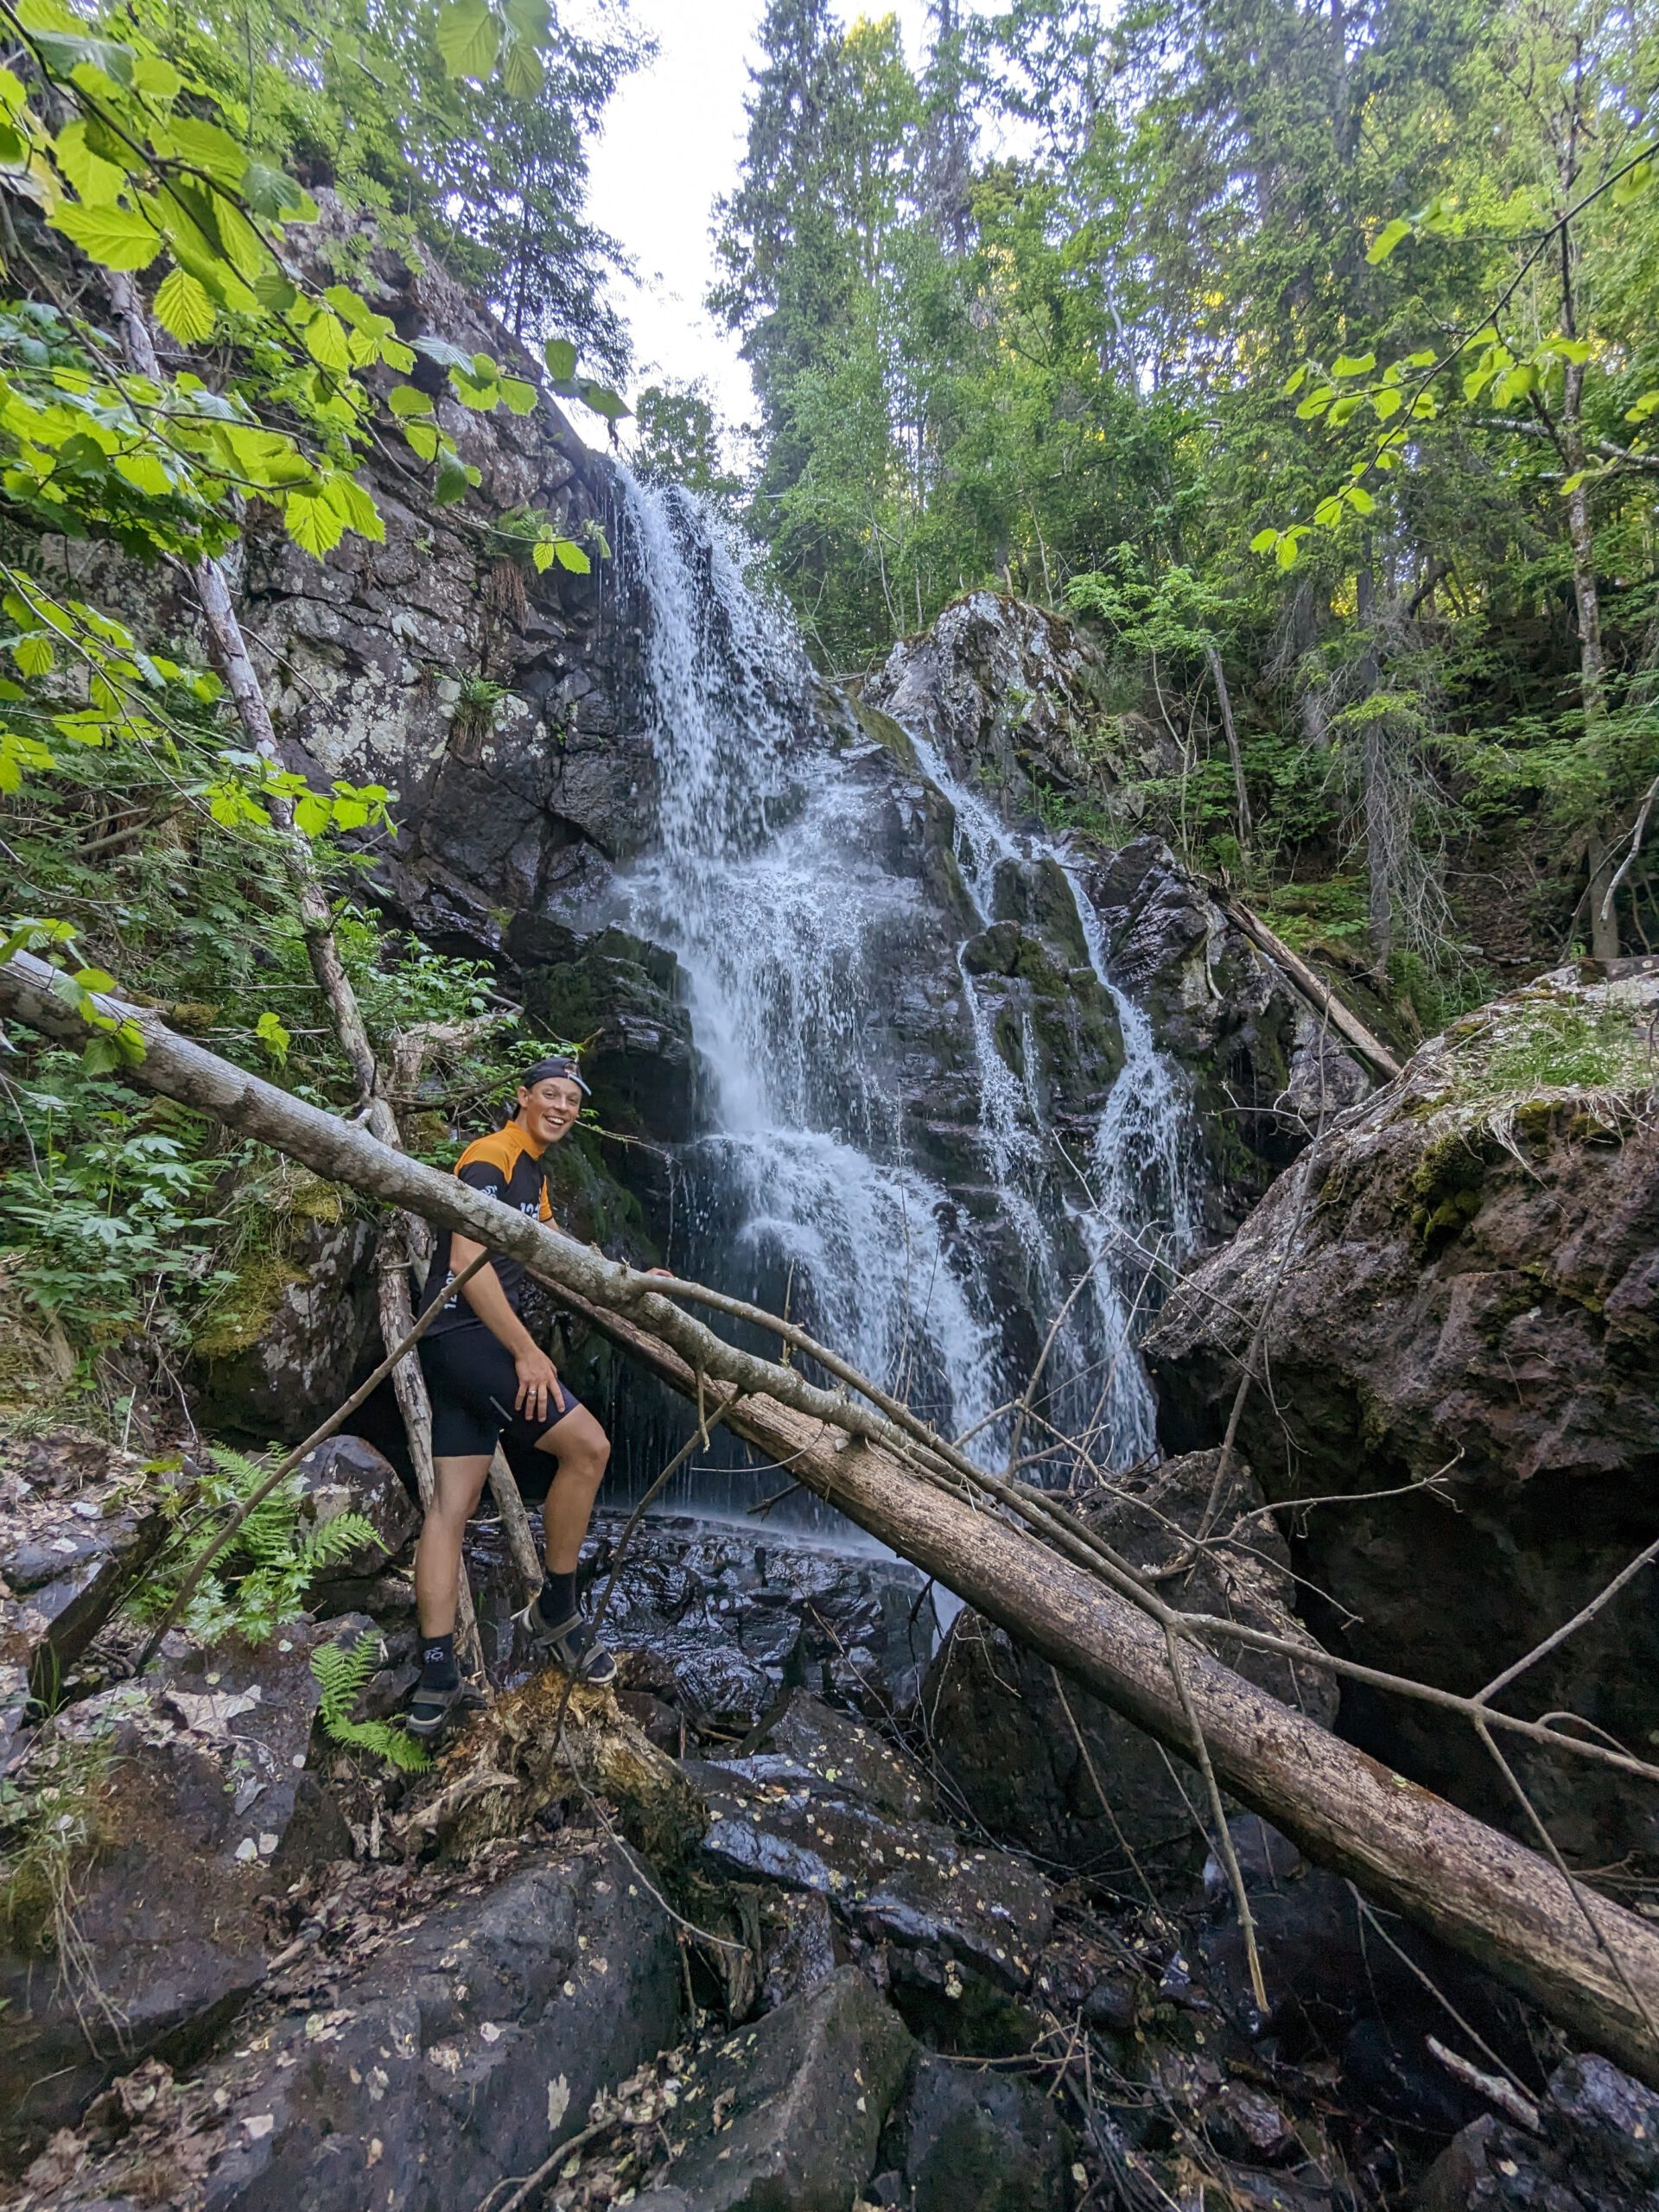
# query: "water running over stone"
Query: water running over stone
{"points": [[797, 876]]}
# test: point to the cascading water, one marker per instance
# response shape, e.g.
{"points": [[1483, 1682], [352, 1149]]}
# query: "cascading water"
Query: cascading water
{"points": [[770, 882]]}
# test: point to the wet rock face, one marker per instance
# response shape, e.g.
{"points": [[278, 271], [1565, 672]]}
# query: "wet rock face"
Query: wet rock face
{"points": [[1459, 1289], [292, 1335], [1051, 1768], [785, 2116], [1003, 690], [721, 1623], [201, 1805], [1266, 1070], [1596, 2150]]}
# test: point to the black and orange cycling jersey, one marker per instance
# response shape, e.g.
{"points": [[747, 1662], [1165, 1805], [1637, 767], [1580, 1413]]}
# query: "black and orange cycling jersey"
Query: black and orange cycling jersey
{"points": [[503, 1167]]}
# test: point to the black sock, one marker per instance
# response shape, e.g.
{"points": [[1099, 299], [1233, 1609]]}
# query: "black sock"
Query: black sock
{"points": [[558, 1599], [438, 1667]]}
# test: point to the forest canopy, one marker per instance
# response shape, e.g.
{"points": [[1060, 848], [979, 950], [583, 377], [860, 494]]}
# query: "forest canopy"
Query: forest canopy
{"points": [[1309, 351]]}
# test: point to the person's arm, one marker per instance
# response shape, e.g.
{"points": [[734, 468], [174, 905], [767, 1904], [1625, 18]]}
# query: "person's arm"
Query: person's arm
{"points": [[537, 1375]]}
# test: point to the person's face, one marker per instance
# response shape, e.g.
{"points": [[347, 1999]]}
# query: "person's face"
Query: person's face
{"points": [[548, 1109]]}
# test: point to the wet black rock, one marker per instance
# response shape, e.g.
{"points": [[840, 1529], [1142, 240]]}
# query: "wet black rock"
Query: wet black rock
{"points": [[347, 1475], [785, 2116], [824, 1807], [1595, 2149], [964, 2140], [722, 1621]]}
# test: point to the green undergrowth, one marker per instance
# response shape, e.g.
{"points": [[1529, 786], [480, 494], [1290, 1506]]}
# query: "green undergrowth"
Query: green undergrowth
{"points": [[1543, 1044], [54, 1809], [262, 1578], [342, 1675]]}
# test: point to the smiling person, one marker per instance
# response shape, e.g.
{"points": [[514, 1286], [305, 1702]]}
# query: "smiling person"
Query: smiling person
{"points": [[488, 1376]]}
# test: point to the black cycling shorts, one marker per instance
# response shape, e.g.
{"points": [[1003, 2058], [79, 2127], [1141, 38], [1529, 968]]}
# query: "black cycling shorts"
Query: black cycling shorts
{"points": [[471, 1381]]}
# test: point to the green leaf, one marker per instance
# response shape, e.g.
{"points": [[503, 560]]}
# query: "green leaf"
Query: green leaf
{"points": [[469, 37], [604, 401], [33, 656], [1342, 408], [570, 555], [541, 555], [1315, 403], [182, 307], [112, 237], [1359, 499], [1572, 482], [1387, 239], [452, 483], [325, 340], [1353, 365], [406, 400], [1286, 550], [1645, 408], [271, 1035], [272, 289], [1633, 183], [204, 146], [560, 354], [421, 439], [313, 522], [1293, 382], [311, 814], [1576, 350], [1328, 511], [1265, 540], [520, 395], [62, 52], [523, 72], [271, 192], [531, 19], [1386, 404]]}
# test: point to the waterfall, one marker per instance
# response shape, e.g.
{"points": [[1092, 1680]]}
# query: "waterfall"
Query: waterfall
{"points": [[769, 880]]}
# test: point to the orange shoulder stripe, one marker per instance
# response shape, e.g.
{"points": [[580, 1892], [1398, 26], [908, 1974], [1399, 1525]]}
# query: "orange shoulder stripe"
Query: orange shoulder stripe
{"points": [[498, 1150]]}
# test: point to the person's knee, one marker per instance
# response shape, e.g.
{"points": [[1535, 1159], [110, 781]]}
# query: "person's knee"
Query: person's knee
{"points": [[585, 1456]]}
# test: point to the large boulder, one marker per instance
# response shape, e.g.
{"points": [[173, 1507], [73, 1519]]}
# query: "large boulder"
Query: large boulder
{"points": [[1456, 1291], [1051, 1768], [464, 2045], [960, 2141], [189, 1802], [78, 1522], [785, 2116]]}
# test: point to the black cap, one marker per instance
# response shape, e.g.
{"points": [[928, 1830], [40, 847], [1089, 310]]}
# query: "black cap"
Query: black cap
{"points": [[559, 1066]]}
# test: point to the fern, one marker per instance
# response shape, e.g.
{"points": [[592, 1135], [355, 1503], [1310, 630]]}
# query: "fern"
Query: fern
{"points": [[262, 1578], [341, 1674]]}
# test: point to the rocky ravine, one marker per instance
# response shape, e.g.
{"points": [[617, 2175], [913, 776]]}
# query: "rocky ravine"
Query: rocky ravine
{"points": [[278, 1974]]}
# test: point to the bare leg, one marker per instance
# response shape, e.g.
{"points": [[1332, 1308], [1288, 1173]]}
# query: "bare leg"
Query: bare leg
{"points": [[456, 1485], [583, 1449]]}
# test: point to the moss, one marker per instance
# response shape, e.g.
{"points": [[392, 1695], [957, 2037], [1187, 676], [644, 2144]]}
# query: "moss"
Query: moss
{"points": [[193, 1017], [1445, 1186], [243, 1312]]}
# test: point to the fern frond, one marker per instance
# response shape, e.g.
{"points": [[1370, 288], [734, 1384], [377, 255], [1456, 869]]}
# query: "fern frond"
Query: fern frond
{"points": [[335, 1540], [341, 1673]]}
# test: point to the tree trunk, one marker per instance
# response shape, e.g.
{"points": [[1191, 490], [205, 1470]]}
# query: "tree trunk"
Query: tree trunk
{"points": [[1471, 1885], [1241, 791], [1377, 782], [317, 924]]}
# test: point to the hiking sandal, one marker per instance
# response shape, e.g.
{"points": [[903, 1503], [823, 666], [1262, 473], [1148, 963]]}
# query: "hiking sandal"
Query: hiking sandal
{"points": [[568, 1643], [429, 1709]]}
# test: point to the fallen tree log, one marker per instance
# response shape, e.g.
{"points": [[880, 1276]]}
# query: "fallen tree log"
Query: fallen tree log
{"points": [[1319, 994], [1474, 1887]]}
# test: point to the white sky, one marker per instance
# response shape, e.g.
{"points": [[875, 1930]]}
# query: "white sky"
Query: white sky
{"points": [[672, 143]]}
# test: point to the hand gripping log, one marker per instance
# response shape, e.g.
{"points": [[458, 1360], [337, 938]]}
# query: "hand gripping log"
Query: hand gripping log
{"points": [[1469, 1885]]}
